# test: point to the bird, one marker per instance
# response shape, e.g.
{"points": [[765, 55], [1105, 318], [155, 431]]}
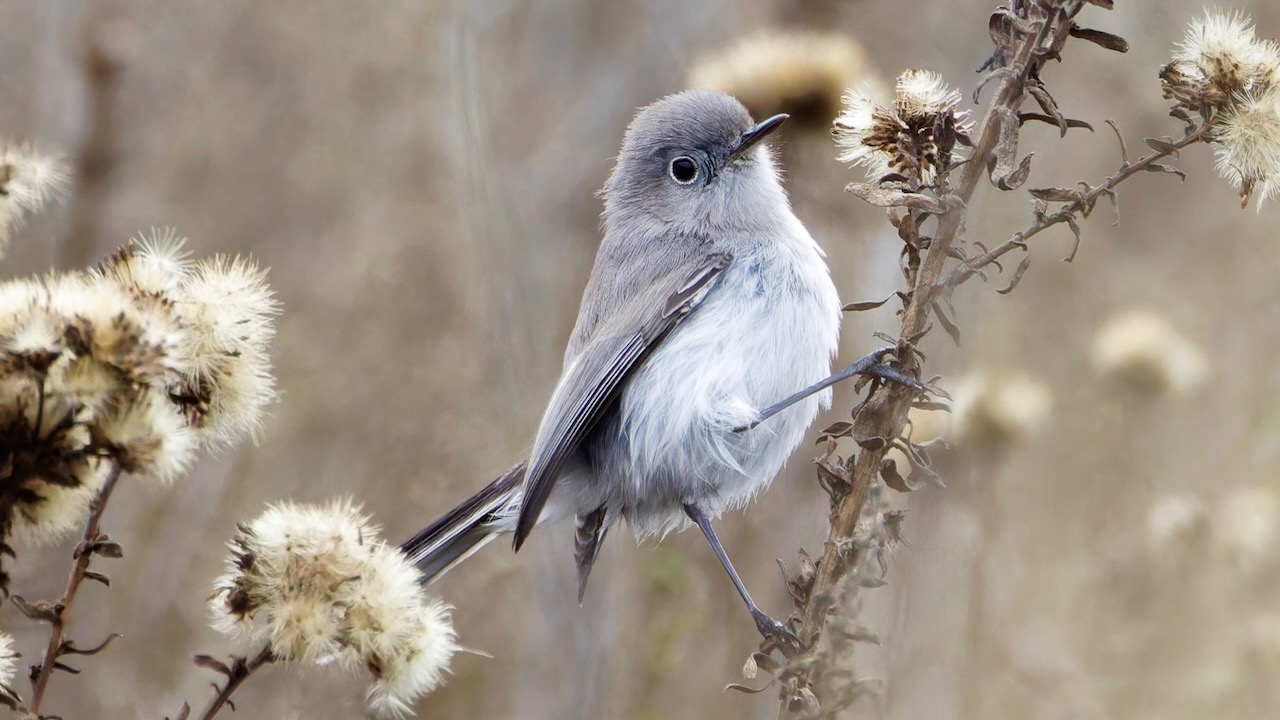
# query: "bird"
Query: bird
{"points": [[700, 356]]}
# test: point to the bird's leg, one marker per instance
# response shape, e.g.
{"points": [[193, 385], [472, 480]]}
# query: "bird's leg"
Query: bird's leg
{"points": [[767, 626], [869, 366]]}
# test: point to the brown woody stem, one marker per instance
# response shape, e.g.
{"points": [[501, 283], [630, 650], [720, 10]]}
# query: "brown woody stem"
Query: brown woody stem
{"points": [[884, 413], [241, 669], [1075, 207], [82, 556]]}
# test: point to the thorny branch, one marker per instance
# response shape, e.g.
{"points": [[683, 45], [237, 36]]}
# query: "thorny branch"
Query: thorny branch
{"points": [[93, 542]]}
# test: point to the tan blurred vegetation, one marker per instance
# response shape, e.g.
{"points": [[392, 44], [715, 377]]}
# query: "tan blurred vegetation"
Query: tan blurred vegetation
{"points": [[419, 177]]}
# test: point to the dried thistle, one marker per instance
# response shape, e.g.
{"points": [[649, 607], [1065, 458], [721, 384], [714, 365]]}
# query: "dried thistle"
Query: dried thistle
{"points": [[1219, 60], [1246, 526], [28, 180], [8, 665], [911, 141], [1248, 139], [800, 73], [228, 311], [991, 411], [1141, 350], [1228, 76], [315, 585], [97, 371], [1175, 522]]}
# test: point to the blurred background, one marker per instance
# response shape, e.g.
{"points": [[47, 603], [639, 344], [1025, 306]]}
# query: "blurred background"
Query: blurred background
{"points": [[419, 177]]}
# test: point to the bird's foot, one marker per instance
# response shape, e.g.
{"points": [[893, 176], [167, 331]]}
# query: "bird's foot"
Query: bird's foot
{"points": [[871, 366], [778, 632]]}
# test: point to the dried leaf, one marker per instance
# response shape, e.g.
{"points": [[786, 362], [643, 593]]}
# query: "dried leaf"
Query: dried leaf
{"points": [[42, 611], [1101, 39], [1055, 194], [838, 429], [863, 635], [1161, 168], [746, 689], [889, 473], [865, 305], [99, 577], [1015, 179], [184, 713], [872, 583], [947, 324], [804, 704], [750, 669], [211, 663], [1163, 144], [69, 648], [1026, 117], [1017, 275], [1115, 204], [1075, 230], [109, 549], [1005, 171], [886, 197], [1050, 106], [1124, 151]]}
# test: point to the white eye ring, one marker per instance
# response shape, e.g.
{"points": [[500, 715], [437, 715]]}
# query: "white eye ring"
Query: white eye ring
{"points": [[684, 170]]}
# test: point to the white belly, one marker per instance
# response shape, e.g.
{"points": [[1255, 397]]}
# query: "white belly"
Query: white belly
{"points": [[769, 328]]}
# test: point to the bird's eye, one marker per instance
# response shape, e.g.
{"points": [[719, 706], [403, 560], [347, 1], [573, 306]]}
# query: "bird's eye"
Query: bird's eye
{"points": [[684, 170]]}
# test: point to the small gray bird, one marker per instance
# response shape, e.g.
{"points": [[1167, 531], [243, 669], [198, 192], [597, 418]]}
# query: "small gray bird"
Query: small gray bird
{"points": [[708, 305]]}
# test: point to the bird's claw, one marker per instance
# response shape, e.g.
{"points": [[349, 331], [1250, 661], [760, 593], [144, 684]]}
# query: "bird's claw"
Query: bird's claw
{"points": [[778, 632], [871, 366]]}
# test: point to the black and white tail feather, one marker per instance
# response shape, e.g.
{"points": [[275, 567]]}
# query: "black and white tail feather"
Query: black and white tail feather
{"points": [[468, 527]]}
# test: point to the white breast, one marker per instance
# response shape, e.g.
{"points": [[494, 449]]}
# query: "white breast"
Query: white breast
{"points": [[769, 328]]}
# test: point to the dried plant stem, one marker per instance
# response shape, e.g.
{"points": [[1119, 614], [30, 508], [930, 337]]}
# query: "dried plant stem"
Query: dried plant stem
{"points": [[884, 413], [239, 671], [885, 409], [1075, 207], [83, 555]]}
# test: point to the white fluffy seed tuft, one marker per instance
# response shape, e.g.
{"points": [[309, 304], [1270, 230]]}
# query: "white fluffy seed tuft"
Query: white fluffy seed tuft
{"points": [[28, 180], [1141, 350], [992, 411], [317, 586]]}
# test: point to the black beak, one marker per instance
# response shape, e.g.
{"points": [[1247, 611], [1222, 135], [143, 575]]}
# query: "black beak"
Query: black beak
{"points": [[751, 137]]}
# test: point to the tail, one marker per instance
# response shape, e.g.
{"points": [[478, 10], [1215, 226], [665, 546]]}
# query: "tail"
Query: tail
{"points": [[466, 528]]}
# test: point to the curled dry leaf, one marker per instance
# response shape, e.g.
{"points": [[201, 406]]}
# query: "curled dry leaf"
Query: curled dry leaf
{"points": [[1101, 39], [887, 197]]}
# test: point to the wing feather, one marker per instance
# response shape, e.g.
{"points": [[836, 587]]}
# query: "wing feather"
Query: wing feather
{"points": [[591, 384]]}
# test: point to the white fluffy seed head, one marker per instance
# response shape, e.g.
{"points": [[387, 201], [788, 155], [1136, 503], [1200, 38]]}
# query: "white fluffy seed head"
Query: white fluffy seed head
{"points": [[922, 93], [28, 180], [153, 263], [62, 508], [1246, 526], [1248, 145], [149, 436], [1141, 350], [862, 116], [318, 586], [1175, 522], [1223, 49], [802, 73], [991, 411], [228, 311], [8, 662], [902, 137]]}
